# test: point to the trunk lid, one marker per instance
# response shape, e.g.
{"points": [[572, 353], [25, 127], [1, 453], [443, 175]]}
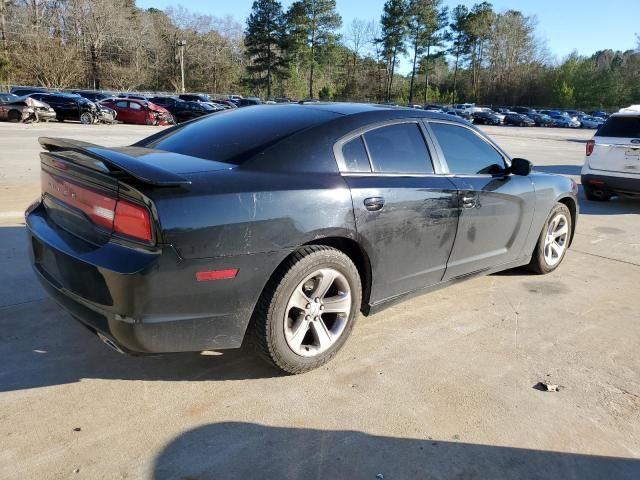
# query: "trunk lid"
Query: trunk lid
{"points": [[96, 193]]}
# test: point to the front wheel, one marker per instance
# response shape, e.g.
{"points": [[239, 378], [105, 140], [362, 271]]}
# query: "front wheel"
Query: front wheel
{"points": [[306, 314], [553, 241], [86, 118]]}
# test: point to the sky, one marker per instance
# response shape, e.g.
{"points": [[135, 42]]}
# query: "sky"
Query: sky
{"points": [[567, 25]]}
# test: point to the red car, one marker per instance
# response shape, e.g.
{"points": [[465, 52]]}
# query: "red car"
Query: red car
{"points": [[140, 112]]}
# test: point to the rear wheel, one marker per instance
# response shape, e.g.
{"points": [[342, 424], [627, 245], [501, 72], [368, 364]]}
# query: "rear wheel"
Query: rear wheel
{"points": [[306, 314], [596, 194], [553, 241]]}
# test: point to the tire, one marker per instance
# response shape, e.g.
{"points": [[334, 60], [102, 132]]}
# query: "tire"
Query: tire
{"points": [[14, 116], [595, 194], [546, 258], [274, 331], [86, 118]]}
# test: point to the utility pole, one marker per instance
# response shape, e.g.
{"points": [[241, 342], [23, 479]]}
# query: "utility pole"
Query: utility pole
{"points": [[181, 45]]}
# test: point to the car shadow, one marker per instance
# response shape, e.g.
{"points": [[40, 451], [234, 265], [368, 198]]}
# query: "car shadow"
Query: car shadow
{"points": [[234, 450], [42, 345]]}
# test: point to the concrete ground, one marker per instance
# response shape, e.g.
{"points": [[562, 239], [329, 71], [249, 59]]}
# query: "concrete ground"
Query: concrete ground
{"points": [[439, 387]]}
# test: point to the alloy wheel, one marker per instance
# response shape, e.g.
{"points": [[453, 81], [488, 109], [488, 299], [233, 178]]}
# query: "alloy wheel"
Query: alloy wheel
{"points": [[556, 238], [317, 312]]}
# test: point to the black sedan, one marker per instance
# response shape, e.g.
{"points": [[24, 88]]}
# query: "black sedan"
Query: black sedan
{"points": [[486, 118], [276, 225], [519, 120], [183, 110], [69, 106]]}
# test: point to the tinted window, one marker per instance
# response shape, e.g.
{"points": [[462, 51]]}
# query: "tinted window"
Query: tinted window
{"points": [[398, 149], [135, 106], [122, 104], [236, 135], [355, 156], [622, 127], [466, 153]]}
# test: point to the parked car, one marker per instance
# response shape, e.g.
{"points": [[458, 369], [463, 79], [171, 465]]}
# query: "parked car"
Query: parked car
{"points": [[135, 96], [226, 104], [106, 114], [564, 121], [460, 114], [486, 118], [182, 110], [249, 102], [524, 111], [591, 122], [8, 98], [519, 120], [280, 225], [599, 113], [18, 111], [195, 97], [69, 106], [542, 120], [93, 95], [612, 161], [139, 112], [23, 91]]}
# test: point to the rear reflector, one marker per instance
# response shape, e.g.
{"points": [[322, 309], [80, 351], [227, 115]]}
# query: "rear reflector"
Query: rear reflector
{"points": [[591, 144], [216, 275]]}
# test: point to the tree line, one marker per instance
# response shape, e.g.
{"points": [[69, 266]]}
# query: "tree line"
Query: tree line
{"points": [[462, 54]]}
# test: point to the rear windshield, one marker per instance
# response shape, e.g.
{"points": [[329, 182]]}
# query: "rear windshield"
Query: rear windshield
{"points": [[624, 127], [236, 135]]}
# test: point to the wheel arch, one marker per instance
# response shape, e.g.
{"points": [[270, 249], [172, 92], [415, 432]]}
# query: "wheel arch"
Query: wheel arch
{"points": [[358, 256], [572, 205]]}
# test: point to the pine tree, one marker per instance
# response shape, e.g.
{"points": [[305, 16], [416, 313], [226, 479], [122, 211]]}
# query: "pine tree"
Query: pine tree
{"points": [[394, 33], [459, 42], [265, 42], [313, 25]]}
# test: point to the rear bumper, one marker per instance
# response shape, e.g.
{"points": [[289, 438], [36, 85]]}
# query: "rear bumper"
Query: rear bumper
{"points": [[611, 184], [146, 303]]}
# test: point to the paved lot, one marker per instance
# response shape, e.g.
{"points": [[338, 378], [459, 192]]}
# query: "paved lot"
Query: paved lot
{"points": [[439, 387]]}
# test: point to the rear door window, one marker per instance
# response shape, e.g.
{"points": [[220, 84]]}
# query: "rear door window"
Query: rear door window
{"points": [[355, 156], [466, 152], [398, 148], [621, 127]]}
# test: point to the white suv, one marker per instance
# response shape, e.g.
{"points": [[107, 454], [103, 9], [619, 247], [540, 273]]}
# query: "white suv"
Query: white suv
{"points": [[612, 162]]}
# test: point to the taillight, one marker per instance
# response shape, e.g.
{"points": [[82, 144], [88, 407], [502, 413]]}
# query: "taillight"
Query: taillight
{"points": [[110, 213], [591, 144], [132, 220], [97, 206]]}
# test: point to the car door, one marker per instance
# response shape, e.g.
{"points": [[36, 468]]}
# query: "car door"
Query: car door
{"points": [[496, 207], [137, 113], [406, 215]]}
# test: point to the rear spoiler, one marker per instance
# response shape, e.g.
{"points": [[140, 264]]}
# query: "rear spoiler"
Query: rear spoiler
{"points": [[106, 161]]}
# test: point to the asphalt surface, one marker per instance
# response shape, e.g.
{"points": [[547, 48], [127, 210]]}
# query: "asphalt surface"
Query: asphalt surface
{"points": [[439, 387]]}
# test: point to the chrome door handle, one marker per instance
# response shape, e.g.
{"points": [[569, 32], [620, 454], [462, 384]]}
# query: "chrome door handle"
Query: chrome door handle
{"points": [[374, 204], [468, 201]]}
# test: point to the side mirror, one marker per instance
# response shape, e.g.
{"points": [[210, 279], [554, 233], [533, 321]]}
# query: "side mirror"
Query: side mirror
{"points": [[520, 166]]}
